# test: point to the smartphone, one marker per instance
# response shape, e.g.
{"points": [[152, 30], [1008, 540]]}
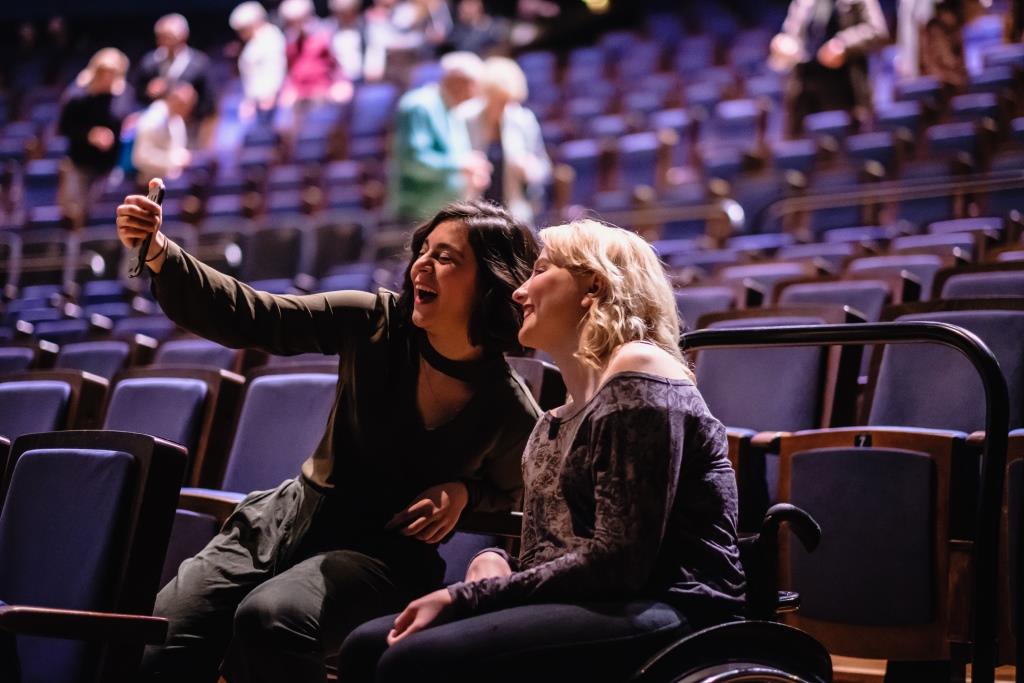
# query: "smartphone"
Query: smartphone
{"points": [[156, 194]]}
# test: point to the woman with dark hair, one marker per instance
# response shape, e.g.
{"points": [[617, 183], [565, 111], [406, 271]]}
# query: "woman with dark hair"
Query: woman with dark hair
{"points": [[429, 422]]}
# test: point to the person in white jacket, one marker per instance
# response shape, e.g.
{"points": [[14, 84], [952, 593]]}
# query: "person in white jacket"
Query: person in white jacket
{"points": [[262, 63], [509, 134], [161, 139]]}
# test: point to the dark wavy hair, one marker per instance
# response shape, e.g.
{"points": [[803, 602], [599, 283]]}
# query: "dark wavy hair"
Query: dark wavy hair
{"points": [[505, 250]]}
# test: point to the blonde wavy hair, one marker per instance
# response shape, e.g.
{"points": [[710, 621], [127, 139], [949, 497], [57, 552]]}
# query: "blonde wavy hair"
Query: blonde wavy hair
{"points": [[636, 302]]}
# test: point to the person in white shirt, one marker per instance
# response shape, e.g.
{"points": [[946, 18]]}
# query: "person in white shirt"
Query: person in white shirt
{"points": [[161, 140], [262, 64], [356, 46]]}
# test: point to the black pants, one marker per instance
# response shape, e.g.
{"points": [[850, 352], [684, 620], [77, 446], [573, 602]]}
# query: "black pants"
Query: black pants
{"points": [[816, 88], [266, 596], [537, 643]]}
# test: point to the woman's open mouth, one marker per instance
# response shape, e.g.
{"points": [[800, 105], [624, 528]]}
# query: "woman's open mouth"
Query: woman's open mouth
{"points": [[425, 295]]}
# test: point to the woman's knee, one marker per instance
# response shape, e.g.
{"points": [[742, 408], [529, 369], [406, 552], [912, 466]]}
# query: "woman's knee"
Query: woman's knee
{"points": [[267, 619]]}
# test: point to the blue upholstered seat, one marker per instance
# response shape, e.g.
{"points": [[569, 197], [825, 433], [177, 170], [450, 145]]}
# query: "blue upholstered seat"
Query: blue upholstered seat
{"points": [[741, 385], [70, 566], [921, 266], [15, 358], [31, 406], [984, 284], [196, 353], [167, 407], [910, 393], [263, 455], [82, 532], [693, 302], [866, 296], [103, 358]]}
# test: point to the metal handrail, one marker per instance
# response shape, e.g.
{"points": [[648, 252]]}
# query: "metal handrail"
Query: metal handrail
{"points": [[993, 463], [874, 193], [725, 209]]}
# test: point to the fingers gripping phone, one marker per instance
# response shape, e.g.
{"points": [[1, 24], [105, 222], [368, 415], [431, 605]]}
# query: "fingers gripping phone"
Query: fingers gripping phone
{"points": [[156, 194]]}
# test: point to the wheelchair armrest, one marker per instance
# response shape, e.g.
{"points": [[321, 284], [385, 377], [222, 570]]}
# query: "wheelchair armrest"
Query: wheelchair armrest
{"points": [[800, 523], [217, 504], [80, 625]]}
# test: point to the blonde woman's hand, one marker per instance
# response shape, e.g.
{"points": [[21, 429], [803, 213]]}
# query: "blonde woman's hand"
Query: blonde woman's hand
{"points": [[420, 614]]}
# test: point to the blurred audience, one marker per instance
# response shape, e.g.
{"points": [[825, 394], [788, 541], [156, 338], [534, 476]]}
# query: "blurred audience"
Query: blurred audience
{"points": [[93, 110], [313, 74], [433, 161], [475, 30], [173, 62], [509, 136], [161, 140], [824, 45], [262, 63]]}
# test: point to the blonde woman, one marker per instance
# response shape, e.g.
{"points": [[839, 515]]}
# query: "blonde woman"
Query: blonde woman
{"points": [[508, 134], [629, 517]]}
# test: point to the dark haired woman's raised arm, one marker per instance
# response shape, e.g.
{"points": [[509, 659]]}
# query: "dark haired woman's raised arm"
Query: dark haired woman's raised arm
{"points": [[218, 307]]}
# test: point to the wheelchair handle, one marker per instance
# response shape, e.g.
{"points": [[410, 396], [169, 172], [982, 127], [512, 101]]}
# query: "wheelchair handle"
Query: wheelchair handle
{"points": [[800, 523]]}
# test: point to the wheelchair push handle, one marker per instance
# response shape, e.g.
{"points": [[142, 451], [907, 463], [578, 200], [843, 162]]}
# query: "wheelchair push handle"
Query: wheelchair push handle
{"points": [[800, 523]]}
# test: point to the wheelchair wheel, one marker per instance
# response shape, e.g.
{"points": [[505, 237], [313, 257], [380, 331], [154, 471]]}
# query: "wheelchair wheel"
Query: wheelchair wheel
{"points": [[740, 651], [742, 672]]}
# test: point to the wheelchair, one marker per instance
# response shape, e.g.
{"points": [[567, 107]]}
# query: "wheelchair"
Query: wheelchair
{"points": [[759, 648]]}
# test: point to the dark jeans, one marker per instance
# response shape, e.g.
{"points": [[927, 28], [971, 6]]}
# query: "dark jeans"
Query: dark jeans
{"points": [[269, 598], [537, 643]]}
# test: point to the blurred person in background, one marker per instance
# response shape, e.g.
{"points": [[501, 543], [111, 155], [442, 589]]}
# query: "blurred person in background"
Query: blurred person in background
{"points": [[355, 47], [433, 160], [262, 63], [417, 29], [161, 140], [930, 36], [313, 74], [509, 136], [824, 45], [475, 30], [93, 111], [172, 62]]}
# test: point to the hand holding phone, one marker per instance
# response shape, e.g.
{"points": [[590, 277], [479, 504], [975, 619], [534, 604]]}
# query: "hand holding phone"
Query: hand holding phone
{"points": [[156, 195]]}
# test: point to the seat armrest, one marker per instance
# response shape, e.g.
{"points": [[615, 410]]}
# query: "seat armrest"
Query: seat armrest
{"points": [[768, 441], [508, 524], [80, 625], [217, 504]]}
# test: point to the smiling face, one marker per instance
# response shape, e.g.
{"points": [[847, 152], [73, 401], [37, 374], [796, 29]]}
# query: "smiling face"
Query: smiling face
{"points": [[555, 301], [444, 280]]}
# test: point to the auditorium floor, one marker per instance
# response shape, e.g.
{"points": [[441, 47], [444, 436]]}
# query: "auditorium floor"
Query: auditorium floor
{"points": [[852, 670]]}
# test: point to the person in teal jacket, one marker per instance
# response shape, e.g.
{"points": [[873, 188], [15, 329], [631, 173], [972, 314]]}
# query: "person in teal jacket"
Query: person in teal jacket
{"points": [[433, 161]]}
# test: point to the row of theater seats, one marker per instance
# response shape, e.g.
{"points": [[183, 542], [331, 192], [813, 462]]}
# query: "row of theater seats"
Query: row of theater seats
{"points": [[844, 272], [889, 469], [893, 489]]}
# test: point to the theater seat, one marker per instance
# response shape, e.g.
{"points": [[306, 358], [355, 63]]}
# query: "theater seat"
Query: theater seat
{"points": [[81, 563], [49, 400], [192, 407]]}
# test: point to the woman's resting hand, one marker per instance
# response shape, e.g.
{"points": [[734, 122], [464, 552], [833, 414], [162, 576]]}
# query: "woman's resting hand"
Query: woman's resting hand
{"points": [[433, 513], [419, 614]]}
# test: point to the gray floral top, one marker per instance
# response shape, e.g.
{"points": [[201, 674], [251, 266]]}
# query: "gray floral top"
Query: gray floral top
{"points": [[631, 496]]}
